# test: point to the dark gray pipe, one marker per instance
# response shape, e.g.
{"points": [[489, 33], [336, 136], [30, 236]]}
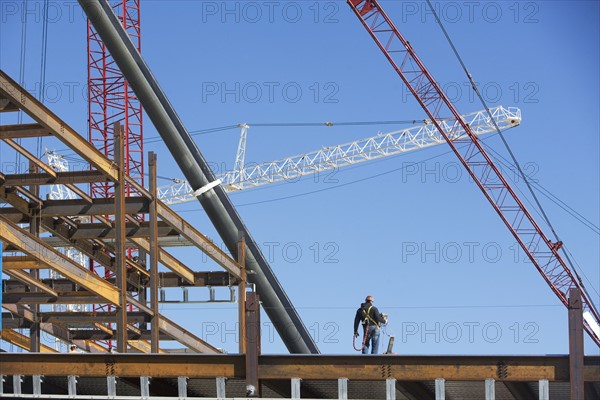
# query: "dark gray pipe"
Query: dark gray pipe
{"points": [[216, 203]]}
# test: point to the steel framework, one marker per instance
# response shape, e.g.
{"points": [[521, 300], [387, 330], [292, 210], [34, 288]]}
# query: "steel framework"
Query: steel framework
{"points": [[542, 252], [328, 158], [42, 276]]}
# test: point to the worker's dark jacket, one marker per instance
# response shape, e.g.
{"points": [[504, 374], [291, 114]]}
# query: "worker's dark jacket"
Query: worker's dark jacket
{"points": [[373, 313]]}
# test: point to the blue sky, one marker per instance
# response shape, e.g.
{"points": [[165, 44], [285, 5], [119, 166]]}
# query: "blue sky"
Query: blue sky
{"points": [[413, 231]]}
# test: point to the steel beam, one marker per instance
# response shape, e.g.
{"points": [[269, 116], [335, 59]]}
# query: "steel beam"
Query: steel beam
{"points": [[23, 341], [166, 259], [78, 207], [323, 367], [198, 239], [166, 279], [32, 245], [24, 277], [215, 201], [32, 158], [186, 338], [80, 297], [101, 231], [36, 110], [22, 131]]}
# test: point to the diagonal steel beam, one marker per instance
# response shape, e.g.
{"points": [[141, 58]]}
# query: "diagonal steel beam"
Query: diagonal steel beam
{"points": [[23, 341], [36, 110], [24, 277], [34, 246], [201, 241]]}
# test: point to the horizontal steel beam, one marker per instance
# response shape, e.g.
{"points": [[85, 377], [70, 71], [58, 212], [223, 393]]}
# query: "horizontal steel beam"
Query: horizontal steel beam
{"points": [[23, 131], [79, 297], [101, 231], [79, 207], [322, 367], [61, 178], [72, 317]]}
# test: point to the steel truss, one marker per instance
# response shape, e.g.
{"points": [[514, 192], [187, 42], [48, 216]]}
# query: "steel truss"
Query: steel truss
{"points": [[333, 157]]}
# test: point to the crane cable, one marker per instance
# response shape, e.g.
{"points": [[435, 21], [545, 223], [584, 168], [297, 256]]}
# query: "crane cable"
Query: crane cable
{"points": [[21, 77], [514, 159], [43, 68]]}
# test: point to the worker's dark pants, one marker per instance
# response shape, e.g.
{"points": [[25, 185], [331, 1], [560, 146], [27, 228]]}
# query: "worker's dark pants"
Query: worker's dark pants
{"points": [[372, 340]]}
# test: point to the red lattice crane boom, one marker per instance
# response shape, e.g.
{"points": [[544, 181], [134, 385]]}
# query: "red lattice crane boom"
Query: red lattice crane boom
{"points": [[542, 252]]}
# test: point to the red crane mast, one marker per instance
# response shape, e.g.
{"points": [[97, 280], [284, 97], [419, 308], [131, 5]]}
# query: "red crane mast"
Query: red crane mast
{"points": [[111, 100]]}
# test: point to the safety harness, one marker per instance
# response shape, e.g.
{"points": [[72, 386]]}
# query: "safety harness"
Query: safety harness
{"points": [[367, 318]]}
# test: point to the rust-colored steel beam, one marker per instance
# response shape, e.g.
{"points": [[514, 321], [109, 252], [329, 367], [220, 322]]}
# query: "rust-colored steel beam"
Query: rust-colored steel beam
{"points": [[34, 246], [31, 157], [323, 367], [71, 318], [6, 105], [185, 337], [26, 278], [166, 259], [138, 229], [22, 131], [166, 279], [79, 297], [25, 101], [59, 178], [23, 341], [21, 262]]}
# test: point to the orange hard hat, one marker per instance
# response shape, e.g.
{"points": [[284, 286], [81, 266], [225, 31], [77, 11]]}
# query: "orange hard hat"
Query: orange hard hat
{"points": [[369, 298]]}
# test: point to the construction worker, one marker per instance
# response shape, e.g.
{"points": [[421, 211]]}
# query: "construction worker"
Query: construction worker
{"points": [[372, 320]]}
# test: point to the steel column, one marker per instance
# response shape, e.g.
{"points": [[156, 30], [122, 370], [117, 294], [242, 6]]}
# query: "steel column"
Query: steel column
{"points": [[120, 239], [576, 344], [153, 253], [242, 295], [252, 344]]}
